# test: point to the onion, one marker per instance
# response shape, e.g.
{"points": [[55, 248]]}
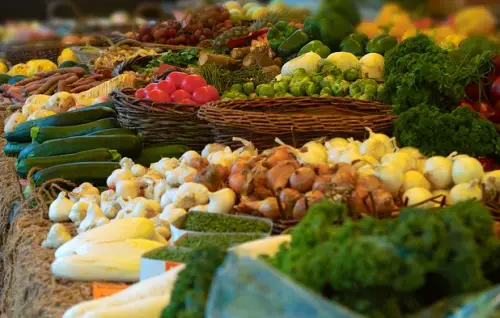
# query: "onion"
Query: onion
{"points": [[410, 151], [371, 160], [388, 142], [438, 171], [289, 197], [336, 143], [302, 179], [444, 193], [237, 182], [366, 170], [414, 179], [466, 169], [420, 164], [493, 177], [415, 196], [391, 176], [350, 154], [401, 160], [312, 152], [466, 191], [373, 147], [334, 154]]}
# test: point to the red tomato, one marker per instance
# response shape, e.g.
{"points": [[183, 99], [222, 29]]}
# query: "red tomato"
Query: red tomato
{"points": [[141, 93], [167, 86], [205, 94], [159, 96], [486, 110], [187, 101], [192, 82], [179, 95], [177, 78], [151, 87]]}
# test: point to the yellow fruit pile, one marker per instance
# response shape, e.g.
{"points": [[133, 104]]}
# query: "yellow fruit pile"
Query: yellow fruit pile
{"points": [[478, 20], [32, 67]]}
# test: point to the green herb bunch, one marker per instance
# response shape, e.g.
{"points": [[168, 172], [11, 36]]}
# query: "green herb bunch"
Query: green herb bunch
{"points": [[182, 58], [393, 268], [436, 133], [222, 241], [192, 286]]}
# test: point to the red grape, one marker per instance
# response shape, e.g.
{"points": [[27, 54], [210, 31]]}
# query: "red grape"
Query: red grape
{"points": [[203, 38], [207, 32], [172, 32], [228, 24], [181, 38], [198, 33]]}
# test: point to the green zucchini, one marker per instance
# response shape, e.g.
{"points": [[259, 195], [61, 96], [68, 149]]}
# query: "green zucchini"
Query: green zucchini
{"points": [[127, 145], [77, 117], [100, 155], [94, 172], [12, 149], [154, 154], [42, 134], [114, 131]]}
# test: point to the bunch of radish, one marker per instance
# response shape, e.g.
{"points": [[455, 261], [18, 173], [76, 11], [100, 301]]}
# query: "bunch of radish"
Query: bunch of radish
{"points": [[180, 88]]}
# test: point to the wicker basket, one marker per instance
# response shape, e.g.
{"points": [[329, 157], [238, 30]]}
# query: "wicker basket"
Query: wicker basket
{"points": [[165, 123], [17, 53], [294, 120]]}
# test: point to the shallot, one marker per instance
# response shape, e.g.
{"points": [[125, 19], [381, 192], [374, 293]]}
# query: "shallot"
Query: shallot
{"points": [[302, 179]]}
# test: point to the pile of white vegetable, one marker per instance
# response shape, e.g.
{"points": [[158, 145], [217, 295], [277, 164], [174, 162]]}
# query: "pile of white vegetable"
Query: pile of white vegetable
{"points": [[135, 213]]}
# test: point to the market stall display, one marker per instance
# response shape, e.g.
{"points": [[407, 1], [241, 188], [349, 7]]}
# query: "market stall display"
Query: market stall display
{"points": [[242, 147]]}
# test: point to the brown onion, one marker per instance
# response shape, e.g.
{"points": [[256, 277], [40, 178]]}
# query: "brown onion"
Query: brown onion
{"points": [[237, 182], [302, 179], [323, 183], [279, 154], [277, 177], [289, 197], [304, 203]]}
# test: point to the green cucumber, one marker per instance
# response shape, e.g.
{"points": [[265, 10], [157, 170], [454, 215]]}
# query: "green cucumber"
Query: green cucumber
{"points": [[100, 155], [42, 134], [114, 131], [154, 154], [94, 172], [127, 145], [12, 149], [77, 117]]}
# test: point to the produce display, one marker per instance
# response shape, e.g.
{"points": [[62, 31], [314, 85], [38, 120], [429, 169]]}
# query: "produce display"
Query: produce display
{"points": [[401, 221]]}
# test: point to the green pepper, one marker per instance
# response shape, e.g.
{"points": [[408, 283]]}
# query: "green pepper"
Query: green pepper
{"points": [[325, 91], [327, 81], [310, 88], [317, 47], [355, 43], [351, 74], [280, 87], [265, 90], [340, 88], [248, 88], [236, 88], [293, 43], [297, 89], [277, 34], [381, 43], [317, 78]]}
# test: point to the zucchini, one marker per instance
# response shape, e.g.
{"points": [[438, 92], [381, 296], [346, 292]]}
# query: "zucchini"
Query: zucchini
{"points": [[154, 154], [94, 172], [42, 134], [77, 117], [12, 149], [114, 131], [127, 145], [100, 154]]}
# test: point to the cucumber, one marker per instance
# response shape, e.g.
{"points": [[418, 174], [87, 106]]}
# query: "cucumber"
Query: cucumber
{"points": [[12, 149], [42, 134], [94, 172], [77, 117], [154, 154], [127, 145], [100, 154], [114, 131]]}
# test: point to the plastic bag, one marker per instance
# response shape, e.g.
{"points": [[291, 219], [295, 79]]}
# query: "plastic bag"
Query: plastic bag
{"points": [[245, 287]]}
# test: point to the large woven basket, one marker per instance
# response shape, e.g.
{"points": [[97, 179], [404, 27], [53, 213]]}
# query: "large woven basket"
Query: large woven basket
{"points": [[294, 120], [17, 53], [165, 123]]}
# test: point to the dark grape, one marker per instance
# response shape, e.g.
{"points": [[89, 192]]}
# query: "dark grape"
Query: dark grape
{"points": [[203, 38], [208, 32], [172, 32], [198, 33]]}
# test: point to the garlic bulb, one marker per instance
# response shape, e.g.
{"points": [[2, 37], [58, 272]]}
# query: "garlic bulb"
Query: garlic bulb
{"points": [[221, 201], [86, 189], [127, 189], [119, 175], [57, 236], [138, 170], [168, 197], [94, 218], [211, 148], [109, 206], [191, 194], [170, 213], [180, 175], [224, 158], [59, 209], [164, 165]]}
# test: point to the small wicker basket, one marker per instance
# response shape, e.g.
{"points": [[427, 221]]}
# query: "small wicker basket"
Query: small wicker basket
{"points": [[165, 123], [17, 53], [294, 120]]}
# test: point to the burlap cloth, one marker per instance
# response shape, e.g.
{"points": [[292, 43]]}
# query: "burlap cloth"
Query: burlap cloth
{"points": [[29, 289]]}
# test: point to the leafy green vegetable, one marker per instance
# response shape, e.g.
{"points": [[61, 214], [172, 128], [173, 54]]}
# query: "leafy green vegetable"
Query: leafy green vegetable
{"points": [[220, 223], [171, 254], [396, 267], [192, 286], [437, 133], [182, 58], [222, 241]]}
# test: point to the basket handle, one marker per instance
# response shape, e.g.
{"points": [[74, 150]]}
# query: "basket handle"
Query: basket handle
{"points": [[53, 5], [99, 36], [154, 45]]}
